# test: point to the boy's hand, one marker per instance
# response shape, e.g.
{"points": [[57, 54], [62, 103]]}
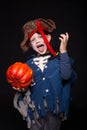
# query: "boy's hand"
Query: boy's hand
{"points": [[63, 42]]}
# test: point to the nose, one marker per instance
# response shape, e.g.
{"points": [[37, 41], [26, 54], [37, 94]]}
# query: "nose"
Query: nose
{"points": [[37, 40]]}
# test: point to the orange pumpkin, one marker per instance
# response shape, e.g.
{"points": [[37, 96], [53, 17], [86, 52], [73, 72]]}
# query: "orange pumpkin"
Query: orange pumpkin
{"points": [[19, 75]]}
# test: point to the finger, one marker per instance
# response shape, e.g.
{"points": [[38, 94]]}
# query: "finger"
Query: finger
{"points": [[62, 35], [67, 35], [60, 38], [16, 88]]}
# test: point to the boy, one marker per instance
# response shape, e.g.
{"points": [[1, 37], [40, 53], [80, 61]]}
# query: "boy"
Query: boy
{"points": [[46, 101]]}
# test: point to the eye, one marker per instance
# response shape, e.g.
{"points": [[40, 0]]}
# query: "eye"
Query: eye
{"points": [[32, 40], [40, 36]]}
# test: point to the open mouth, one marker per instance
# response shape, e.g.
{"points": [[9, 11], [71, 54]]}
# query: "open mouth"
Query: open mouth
{"points": [[40, 47]]}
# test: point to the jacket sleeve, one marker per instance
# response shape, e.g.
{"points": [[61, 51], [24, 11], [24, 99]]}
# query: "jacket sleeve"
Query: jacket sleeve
{"points": [[67, 85], [65, 66]]}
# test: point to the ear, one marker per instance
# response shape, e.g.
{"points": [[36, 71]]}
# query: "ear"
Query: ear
{"points": [[48, 37]]}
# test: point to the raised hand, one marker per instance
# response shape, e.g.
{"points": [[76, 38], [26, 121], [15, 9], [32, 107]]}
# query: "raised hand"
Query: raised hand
{"points": [[63, 42]]}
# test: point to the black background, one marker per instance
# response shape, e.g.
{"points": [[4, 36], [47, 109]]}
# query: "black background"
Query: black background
{"points": [[69, 16]]}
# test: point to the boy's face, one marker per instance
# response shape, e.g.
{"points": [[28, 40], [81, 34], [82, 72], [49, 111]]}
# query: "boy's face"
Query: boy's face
{"points": [[38, 44]]}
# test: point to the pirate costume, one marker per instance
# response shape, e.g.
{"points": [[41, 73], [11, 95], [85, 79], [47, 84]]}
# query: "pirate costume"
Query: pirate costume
{"points": [[46, 102]]}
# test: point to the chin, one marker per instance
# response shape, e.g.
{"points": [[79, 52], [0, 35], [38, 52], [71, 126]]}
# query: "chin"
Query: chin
{"points": [[42, 53]]}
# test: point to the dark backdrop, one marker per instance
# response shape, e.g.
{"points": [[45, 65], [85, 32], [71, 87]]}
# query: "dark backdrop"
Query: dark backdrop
{"points": [[69, 16]]}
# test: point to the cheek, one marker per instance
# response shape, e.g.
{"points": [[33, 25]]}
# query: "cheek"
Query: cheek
{"points": [[33, 46]]}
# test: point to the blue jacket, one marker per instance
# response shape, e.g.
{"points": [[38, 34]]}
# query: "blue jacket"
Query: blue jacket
{"points": [[53, 85]]}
